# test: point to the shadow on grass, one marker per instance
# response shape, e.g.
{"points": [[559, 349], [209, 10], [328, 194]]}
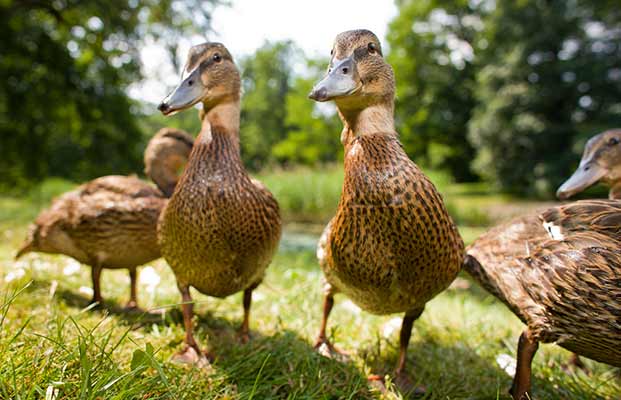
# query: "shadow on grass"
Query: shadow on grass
{"points": [[457, 372], [282, 365]]}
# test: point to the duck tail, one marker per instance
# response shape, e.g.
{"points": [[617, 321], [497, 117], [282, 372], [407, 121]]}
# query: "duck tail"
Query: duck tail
{"points": [[474, 268]]}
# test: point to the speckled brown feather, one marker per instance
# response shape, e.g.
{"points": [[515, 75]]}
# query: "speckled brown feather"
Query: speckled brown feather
{"points": [[109, 222], [391, 246], [165, 156], [560, 272], [220, 229]]}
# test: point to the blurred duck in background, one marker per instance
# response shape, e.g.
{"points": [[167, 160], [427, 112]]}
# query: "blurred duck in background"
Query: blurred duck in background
{"points": [[392, 246], [601, 162], [220, 228], [111, 222]]}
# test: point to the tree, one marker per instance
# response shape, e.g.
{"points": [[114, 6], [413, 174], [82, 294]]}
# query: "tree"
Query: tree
{"points": [[313, 131], [549, 70], [63, 71], [266, 80], [432, 52]]}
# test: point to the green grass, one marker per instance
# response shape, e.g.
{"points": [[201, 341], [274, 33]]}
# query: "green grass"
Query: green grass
{"points": [[50, 342]]}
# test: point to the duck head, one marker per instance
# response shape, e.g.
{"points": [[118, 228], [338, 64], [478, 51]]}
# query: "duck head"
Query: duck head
{"points": [[165, 157], [209, 76], [35, 241], [358, 77], [601, 162]]}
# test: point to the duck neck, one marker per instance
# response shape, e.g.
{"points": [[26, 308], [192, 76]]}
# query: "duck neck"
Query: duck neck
{"points": [[222, 119], [374, 119], [217, 145]]}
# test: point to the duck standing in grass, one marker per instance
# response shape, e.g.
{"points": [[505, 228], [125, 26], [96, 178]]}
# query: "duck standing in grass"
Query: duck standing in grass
{"points": [[220, 228], [111, 222], [392, 246], [601, 162]]}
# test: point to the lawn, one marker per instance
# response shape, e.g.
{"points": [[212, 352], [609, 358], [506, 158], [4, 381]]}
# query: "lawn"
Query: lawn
{"points": [[53, 346]]}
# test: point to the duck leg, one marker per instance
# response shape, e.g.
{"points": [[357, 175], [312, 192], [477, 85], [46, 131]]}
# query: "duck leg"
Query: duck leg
{"points": [[322, 338], [527, 347], [191, 354], [404, 338], [244, 331], [402, 381], [576, 362], [132, 304], [96, 277]]}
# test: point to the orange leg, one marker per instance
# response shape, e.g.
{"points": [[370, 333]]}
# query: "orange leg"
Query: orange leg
{"points": [[96, 277], [404, 338], [188, 312], [322, 338], [244, 331], [527, 347], [133, 295]]}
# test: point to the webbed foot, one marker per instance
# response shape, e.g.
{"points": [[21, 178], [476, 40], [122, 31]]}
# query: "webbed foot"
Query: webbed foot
{"points": [[327, 349], [192, 356]]}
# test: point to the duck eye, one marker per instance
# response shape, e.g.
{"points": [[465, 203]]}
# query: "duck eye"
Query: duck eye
{"points": [[613, 141], [332, 52], [372, 49], [216, 57]]}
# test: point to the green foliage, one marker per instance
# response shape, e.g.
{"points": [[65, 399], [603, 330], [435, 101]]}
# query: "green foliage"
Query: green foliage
{"points": [[278, 122], [305, 194], [547, 70], [266, 82], [313, 131], [63, 72], [431, 51]]}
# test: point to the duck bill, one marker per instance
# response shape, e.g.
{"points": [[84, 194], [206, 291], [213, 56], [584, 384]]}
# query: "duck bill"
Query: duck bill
{"points": [[189, 92], [26, 248], [341, 81], [586, 175]]}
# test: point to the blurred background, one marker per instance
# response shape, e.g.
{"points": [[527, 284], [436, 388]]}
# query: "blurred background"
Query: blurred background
{"points": [[503, 93]]}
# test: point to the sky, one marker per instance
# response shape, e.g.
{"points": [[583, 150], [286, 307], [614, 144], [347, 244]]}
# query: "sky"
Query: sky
{"points": [[247, 24]]}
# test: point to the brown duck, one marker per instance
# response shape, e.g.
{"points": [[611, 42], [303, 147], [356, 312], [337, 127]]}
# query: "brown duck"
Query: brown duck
{"points": [[220, 228], [391, 247], [111, 222], [601, 162], [559, 271]]}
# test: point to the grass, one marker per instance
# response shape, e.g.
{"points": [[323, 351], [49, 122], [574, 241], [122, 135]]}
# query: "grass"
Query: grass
{"points": [[53, 346]]}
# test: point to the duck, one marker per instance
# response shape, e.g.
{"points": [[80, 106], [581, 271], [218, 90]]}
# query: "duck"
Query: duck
{"points": [[391, 246], [220, 228], [111, 222], [600, 162], [559, 272]]}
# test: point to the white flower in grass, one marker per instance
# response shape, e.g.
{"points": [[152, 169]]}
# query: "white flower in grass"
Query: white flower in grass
{"points": [[21, 264], [350, 306], [257, 296], [391, 327], [51, 393], [53, 287], [40, 264], [85, 290], [14, 274], [71, 268], [507, 363], [150, 278]]}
